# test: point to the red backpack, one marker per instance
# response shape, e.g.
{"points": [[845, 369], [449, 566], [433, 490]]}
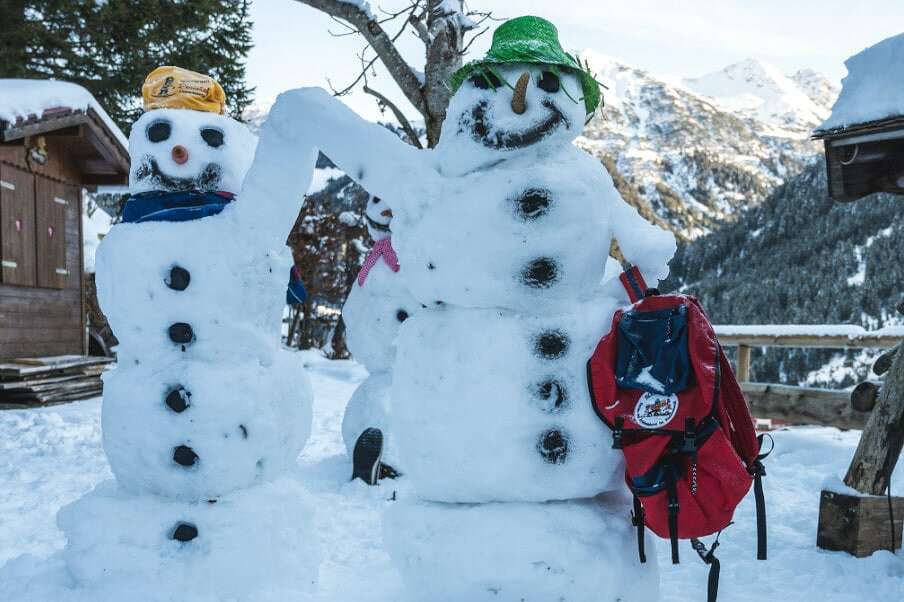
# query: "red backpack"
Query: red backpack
{"points": [[660, 381]]}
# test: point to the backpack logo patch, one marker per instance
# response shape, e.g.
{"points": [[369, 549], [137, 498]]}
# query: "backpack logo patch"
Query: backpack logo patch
{"points": [[655, 410]]}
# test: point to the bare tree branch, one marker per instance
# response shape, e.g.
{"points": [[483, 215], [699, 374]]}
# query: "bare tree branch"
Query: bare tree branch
{"points": [[403, 121], [474, 37], [402, 73]]}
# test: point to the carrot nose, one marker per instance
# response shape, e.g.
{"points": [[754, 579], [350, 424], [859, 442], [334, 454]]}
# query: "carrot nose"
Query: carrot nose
{"points": [[386, 213], [519, 105], [180, 154]]}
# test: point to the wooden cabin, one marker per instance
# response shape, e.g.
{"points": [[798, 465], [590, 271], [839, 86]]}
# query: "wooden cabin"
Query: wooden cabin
{"points": [[864, 135], [865, 158], [46, 159]]}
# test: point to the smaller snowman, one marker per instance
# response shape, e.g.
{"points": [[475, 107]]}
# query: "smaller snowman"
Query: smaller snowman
{"points": [[376, 306]]}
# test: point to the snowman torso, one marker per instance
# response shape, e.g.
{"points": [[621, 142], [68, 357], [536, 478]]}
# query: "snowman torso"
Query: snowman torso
{"points": [[490, 390], [200, 403], [373, 313]]}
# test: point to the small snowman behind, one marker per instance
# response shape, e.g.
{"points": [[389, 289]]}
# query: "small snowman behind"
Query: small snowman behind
{"points": [[376, 307]]}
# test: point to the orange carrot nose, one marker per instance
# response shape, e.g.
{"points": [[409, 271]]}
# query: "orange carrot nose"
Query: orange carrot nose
{"points": [[386, 213], [180, 154]]}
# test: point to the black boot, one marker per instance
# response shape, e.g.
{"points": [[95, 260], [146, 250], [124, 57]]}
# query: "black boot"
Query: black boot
{"points": [[366, 456]]}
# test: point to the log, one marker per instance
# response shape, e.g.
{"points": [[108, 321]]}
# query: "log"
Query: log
{"points": [[884, 361], [864, 396], [858, 525], [882, 439], [803, 405]]}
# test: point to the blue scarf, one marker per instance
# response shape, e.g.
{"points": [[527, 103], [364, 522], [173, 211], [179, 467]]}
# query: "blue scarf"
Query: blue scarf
{"points": [[182, 206]]}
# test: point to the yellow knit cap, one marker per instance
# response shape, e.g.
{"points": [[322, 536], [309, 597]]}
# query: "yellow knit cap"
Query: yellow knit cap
{"points": [[178, 88]]}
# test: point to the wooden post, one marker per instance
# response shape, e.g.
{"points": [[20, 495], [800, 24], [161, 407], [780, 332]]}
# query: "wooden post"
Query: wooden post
{"points": [[743, 363], [882, 439], [863, 524]]}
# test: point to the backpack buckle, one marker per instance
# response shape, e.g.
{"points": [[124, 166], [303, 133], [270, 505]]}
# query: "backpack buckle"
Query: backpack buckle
{"points": [[689, 440], [617, 433]]}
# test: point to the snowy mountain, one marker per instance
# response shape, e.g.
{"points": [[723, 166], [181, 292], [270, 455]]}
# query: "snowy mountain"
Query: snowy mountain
{"points": [[760, 91], [694, 152]]}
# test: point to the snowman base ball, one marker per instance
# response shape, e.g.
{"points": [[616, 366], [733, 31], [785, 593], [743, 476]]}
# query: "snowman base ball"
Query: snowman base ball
{"points": [[571, 551], [222, 549]]}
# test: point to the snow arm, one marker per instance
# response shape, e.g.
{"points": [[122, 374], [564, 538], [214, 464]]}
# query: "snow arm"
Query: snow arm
{"points": [[370, 154], [643, 244]]}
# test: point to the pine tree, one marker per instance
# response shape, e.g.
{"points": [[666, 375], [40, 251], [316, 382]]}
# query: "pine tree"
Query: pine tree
{"points": [[109, 47]]}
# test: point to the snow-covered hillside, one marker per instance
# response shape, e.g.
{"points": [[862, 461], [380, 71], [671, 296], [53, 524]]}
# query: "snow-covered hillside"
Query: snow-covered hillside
{"points": [[696, 154], [760, 91]]}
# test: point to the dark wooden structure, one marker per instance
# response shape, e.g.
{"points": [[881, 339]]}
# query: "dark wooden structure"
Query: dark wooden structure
{"points": [[864, 158], [45, 162]]}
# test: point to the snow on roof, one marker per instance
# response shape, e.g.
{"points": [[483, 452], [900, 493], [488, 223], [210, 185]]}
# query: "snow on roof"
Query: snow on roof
{"points": [[873, 89], [21, 98]]}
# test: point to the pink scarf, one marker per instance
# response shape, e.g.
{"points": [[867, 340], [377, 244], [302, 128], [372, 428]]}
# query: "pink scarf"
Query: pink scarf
{"points": [[382, 248]]}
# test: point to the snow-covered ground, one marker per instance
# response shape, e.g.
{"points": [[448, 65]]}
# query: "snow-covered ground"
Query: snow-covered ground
{"points": [[51, 456]]}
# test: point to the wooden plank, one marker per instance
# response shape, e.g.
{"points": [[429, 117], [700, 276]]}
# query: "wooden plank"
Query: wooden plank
{"points": [[865, 341], [859, 525], [883, 438], [52, 205], [803, 405], [42, 335], [21, 368], [17, 226]]}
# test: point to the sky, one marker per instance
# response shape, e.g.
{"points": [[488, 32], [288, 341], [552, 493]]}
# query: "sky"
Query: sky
{"points": [[293, 46]]}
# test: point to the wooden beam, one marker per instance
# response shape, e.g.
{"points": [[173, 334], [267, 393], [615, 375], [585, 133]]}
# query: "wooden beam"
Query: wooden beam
{"points": [[803, 405], [866, 340], [743, 363], [883, 438]]}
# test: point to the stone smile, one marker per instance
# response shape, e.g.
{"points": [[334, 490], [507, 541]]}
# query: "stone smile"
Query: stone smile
{"points": [[503, 140], [208, 179]]}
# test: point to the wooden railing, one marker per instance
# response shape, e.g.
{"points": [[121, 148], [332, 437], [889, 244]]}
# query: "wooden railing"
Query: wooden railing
{"points": [[806, 405]]}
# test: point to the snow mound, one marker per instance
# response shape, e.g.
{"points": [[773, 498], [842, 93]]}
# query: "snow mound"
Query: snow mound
{"points": [[512, 551], [120, 543], [873, 88], [21, 98]]}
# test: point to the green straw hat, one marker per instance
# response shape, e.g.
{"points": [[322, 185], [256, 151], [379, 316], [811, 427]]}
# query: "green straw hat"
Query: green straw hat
{"points": [[536, 41]]}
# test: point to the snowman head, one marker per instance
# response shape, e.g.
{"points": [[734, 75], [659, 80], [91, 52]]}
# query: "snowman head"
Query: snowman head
{"points": [[378, 215], [527, 91], [183, 141]]}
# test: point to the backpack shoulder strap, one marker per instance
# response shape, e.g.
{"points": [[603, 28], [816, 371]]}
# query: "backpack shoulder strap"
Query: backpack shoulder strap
{"points": [[634, 283]]}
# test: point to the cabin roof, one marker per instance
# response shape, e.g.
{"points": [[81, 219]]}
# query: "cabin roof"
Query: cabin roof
{"points": [[47, 107], [872, 93]]}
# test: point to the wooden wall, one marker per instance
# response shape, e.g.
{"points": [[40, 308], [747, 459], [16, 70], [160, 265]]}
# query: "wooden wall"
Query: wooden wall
{"points": [[47, 317]]}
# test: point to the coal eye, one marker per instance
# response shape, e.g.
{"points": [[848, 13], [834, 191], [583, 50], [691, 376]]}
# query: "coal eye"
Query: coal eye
{"points": [[549, 82], [212, 137], [485, 80], [158, 131], [375, 200]]}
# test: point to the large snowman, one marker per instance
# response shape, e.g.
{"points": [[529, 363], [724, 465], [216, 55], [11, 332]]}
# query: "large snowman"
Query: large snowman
{"points": [[376, 307], [503, 232], [204, 414]]}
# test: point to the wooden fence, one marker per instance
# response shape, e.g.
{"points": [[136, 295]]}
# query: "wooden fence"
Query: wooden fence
{"points": [[803, 405]]}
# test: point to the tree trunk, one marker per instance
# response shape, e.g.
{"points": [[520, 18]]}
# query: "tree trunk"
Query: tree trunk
{"points": [[882, 439], [443, 58]]}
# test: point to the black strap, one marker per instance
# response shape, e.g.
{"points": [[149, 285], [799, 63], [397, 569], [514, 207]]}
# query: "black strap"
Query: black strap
{"points": [[759, 471], [708, 556], [673, 514], [760, 512], [617, 432], [637, 519], [891, 514]]}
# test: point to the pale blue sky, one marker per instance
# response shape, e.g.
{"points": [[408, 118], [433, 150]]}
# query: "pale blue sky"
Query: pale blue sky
{"points": [[689, 38]]}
